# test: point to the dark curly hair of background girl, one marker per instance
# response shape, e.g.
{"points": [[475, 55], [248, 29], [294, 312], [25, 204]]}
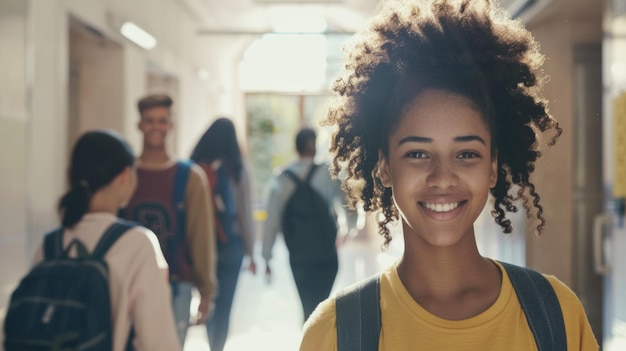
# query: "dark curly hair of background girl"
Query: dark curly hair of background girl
{"points": [[468, 47]]}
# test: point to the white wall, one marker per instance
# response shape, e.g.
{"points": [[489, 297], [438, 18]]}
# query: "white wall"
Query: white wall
{"points": [[13, 136]]}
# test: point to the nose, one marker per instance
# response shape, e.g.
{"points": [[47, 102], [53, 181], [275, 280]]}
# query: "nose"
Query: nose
{"points": [[442, 176]]}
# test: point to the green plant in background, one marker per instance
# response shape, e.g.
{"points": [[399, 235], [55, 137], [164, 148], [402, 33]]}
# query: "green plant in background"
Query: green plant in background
{"points": [[260, 129], [273, 120]]}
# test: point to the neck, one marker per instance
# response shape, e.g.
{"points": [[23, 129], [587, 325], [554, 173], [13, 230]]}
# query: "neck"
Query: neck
{"points": [[453, 282], [104, 202], [154, 156], [443, 273]]}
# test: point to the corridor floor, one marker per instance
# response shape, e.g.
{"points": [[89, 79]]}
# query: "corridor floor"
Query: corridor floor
{"points": [[268, 316]]}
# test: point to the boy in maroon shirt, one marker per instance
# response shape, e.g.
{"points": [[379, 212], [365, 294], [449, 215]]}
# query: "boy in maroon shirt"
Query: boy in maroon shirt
{"points": [[192, 263]]}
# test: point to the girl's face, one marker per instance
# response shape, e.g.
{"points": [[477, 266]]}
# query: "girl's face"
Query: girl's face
{"points": [[439, 167]]}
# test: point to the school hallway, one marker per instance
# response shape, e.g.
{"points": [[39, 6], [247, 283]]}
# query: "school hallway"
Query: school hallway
{"points": [[69, 68], [268, 317]]}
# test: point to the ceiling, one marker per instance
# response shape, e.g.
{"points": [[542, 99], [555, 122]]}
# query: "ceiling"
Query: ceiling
{"points": [[233, 24], [239, 17], [261, 16]]}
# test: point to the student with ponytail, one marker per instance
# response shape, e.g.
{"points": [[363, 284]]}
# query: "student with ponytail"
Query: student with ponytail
{"points": [[102, 178], [98, 158]]}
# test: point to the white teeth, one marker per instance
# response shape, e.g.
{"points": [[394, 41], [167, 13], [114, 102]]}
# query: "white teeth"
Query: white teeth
{"points": [[441, 207]]}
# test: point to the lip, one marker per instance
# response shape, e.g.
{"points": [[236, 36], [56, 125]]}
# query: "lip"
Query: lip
{"points": [[443, 216]]}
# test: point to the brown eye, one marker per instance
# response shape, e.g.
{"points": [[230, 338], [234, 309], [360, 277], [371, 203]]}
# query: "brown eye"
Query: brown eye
{"points": [[416, 154], [468, 154]]}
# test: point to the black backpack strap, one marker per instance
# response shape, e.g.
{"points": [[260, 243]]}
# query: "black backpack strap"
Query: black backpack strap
{"points": [[109, 237], [180, 185], [131, 338], [291, 175], [311, 172], [541, 307], [181, 178], [357, 310], [53, 244], [107, 240], [81, 250]]}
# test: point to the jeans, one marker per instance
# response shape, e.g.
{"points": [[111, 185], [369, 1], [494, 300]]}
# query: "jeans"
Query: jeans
{"points": [[314, 282], [181, 301], [230, 257]]}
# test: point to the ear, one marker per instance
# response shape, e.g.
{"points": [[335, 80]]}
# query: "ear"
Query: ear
{"points": [[383, 170], [493, 176]]}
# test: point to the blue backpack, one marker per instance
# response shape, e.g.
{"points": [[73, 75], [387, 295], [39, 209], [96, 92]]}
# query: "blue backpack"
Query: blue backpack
{"points": [[359, 319], [173, 244], [63, 303]]}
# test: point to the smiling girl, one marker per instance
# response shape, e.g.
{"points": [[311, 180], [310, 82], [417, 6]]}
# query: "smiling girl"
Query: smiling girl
{"points": [[439, 107]]}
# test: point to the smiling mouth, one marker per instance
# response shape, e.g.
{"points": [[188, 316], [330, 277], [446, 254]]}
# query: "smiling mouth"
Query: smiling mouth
{"points": [[156, 136], [439, 207]]}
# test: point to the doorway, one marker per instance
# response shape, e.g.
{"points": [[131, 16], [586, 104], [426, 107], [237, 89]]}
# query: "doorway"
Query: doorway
{"points": [[95, 82]]}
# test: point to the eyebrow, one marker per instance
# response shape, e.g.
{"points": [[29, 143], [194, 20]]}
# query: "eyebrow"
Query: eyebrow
{"points": [[414, 139], [459, 139], [466, 138]]}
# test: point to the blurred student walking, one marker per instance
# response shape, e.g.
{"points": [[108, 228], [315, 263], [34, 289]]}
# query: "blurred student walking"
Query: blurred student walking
{"points": [[302, 206], [218, 154], [102, 178], [172, 200]]}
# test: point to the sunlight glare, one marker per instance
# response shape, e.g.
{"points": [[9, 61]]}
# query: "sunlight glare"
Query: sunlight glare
{"points": [[288, 63]]}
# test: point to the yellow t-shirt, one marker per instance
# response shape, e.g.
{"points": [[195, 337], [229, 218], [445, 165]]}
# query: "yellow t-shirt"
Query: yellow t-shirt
{"points": [[408, 326]]}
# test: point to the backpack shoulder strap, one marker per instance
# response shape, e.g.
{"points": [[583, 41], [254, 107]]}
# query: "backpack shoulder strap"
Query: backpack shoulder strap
{"points": [[293, 176], [180, 181], [110, 236], [180, 185], [107, 240], [541, 307], [311, 172], [357, 310], [53, 244], [358, 324]]}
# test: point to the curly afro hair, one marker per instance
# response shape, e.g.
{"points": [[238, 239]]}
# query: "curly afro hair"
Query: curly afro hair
{"points": [[467, 47]]}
